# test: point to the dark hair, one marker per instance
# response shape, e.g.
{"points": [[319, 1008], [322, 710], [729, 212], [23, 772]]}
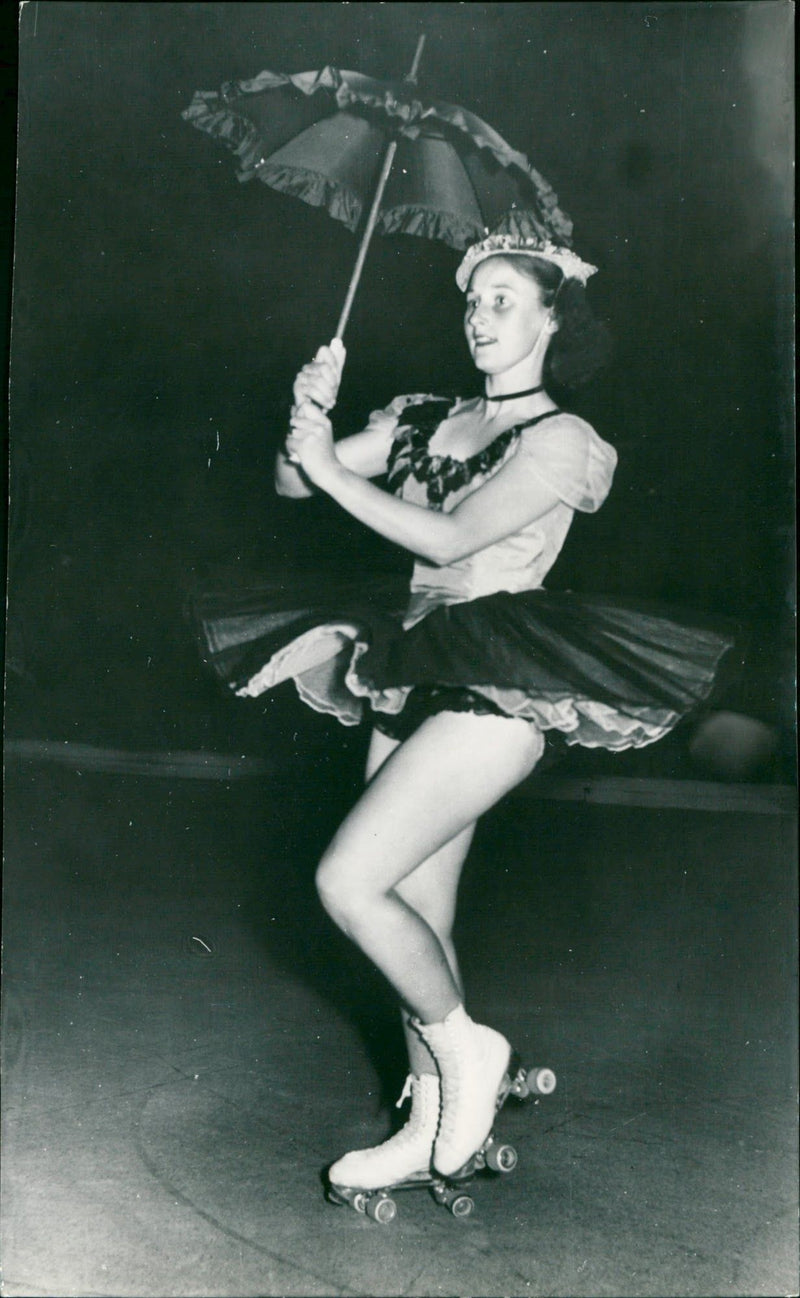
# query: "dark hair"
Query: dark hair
{"points": [[582, 344]]}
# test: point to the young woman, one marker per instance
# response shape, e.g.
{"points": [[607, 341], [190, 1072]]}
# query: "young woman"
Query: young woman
{"points": [[461, 693]]}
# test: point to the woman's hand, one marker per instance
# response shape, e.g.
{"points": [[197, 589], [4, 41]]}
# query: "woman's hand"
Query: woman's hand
{"points": [[319, 380], [310, 442]]}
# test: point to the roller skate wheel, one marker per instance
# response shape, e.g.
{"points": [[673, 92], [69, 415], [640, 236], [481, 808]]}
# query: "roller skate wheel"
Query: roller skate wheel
{"points": [[519, 1086], [541, 1081], [382, 1210], [462, 1206], [359, 1202], [501, 1158]]}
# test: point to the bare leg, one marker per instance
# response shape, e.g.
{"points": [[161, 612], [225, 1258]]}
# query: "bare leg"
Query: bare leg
{"points": [[428, 792], [432, 890], [426, 894]]}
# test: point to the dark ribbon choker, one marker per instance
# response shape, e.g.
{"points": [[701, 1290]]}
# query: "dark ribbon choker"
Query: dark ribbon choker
{"points": [[512, 396]]}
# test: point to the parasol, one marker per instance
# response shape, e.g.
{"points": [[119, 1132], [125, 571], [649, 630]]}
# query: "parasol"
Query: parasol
{"points": [[378, 157]]}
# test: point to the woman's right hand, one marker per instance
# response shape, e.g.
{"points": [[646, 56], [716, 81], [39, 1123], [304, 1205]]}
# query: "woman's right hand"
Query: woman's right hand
{"points": [[319, 380]]}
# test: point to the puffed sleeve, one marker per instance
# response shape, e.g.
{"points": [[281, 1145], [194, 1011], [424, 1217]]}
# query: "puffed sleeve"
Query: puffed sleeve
{"points": [[574, 462], [389, 419]]}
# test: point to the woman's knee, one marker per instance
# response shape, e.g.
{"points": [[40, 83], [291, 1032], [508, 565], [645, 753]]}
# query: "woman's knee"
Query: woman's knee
{"points": [[341, 890]]}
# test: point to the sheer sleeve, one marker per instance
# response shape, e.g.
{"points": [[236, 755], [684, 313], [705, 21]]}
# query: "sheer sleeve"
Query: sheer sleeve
{"points": [[573, 461]]}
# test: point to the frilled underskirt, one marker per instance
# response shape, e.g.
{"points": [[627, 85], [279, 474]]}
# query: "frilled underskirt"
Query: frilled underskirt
{"points": [[605, 672]]}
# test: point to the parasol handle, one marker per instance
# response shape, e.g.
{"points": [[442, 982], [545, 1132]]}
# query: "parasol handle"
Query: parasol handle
{"points": [[369, 229], [412, 75], [372, 219]]}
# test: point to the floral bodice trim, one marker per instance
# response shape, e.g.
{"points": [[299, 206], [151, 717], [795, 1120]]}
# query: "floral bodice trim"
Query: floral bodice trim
{"points": [[442, 474]]}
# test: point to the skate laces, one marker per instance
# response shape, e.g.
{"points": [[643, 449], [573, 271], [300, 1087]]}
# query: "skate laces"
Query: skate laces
{"points": [[405, 1094], [420, 1116], [462, 1078], [413, 1128], [450, 1093]]}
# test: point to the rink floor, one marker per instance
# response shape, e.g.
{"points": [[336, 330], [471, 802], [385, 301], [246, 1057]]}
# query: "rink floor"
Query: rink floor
{"points": [[187, 1043]]}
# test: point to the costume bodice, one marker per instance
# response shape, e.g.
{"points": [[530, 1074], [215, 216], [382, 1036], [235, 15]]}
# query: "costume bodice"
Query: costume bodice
{"points": [[579, 467]]}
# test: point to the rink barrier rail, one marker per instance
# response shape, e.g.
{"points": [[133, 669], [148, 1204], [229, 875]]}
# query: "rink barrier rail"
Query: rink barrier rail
{"points": [[627, 791]]}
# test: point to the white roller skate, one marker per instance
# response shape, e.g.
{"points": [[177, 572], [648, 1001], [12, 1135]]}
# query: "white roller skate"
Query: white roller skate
{"points": [[474, 1065], [364, 1177]]}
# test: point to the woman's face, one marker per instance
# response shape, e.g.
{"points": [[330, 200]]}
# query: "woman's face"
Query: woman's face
{"points": [[504, 317]]}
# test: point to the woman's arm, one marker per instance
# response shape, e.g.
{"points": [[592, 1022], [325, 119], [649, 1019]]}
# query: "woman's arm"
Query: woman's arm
{"points": [[289, 479], [365, 454], [513, 498]]}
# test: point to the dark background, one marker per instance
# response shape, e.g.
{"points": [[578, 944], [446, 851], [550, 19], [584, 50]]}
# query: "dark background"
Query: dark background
{"points": [[161, 309]]}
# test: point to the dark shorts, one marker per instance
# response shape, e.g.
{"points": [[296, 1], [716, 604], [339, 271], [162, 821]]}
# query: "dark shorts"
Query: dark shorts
{"points": [[426, 701]]}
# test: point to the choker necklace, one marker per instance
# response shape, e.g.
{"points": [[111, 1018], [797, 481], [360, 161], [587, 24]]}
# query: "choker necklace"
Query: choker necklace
{"points": [[511, 396]]}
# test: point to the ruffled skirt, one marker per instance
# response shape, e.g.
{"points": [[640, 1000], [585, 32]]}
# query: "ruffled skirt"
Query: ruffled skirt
{"points": [[602, 671]]}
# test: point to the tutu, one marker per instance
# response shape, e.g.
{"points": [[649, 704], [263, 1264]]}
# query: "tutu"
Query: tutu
{"points": [[603, 672], [480, 633], [255, 634]]}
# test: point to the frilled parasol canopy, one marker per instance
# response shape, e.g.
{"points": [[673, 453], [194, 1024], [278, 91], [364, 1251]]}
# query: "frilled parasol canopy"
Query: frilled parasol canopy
{"points": [[376, 156]]}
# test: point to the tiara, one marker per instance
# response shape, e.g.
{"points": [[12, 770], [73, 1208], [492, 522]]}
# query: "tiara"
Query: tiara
{"points": [[570, 264]]}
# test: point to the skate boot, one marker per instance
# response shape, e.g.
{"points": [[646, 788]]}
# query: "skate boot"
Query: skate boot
{"points": [[405, 1155], [473, 1062]]}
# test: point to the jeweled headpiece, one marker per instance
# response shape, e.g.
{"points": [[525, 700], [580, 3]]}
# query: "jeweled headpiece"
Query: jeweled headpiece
{"points": [[515, 245]]}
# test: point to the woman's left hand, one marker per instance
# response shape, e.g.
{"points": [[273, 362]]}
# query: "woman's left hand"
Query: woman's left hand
{"points": [[310, 442]]}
